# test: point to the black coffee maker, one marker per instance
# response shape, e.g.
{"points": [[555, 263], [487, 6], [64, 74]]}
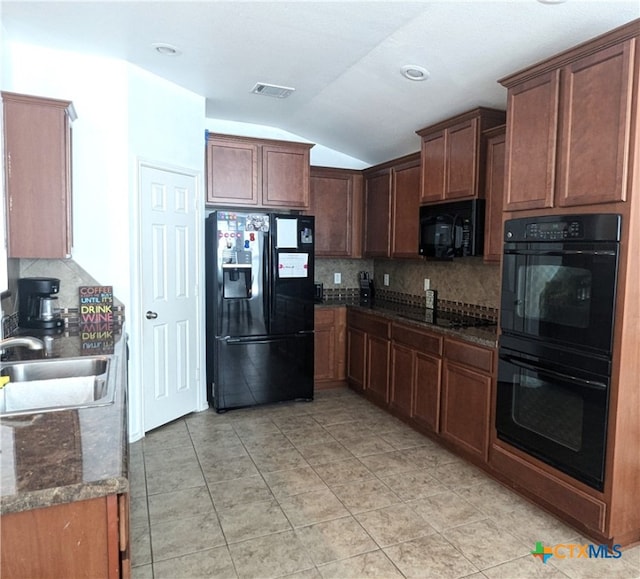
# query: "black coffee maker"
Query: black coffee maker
{"points": [[37, 308]]}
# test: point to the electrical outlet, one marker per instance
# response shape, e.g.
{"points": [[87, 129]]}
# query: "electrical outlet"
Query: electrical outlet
{"points": [[386, 279], [430, 298], [427, 284], [337, 278]]}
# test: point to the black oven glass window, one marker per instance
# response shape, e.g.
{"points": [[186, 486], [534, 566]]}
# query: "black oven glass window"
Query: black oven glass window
{"points": [[554, 293], [548, 410]]}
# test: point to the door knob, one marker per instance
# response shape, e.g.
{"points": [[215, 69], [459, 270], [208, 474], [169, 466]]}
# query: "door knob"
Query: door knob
{"points": [[151, 315]]}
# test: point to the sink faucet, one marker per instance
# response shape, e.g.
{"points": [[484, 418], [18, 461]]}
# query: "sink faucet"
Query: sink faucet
{"points": [[27, 341]]}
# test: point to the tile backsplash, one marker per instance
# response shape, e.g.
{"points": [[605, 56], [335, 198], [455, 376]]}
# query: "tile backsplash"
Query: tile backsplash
{"points": [[467, 280], [70, 274]]}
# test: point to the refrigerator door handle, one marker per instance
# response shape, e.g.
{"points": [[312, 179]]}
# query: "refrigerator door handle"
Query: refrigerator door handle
{"points": [[262, 339], [266, 276]]}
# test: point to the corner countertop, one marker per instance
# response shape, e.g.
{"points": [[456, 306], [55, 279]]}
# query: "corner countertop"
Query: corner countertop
{"points": [[485, 335], [50, 458]]}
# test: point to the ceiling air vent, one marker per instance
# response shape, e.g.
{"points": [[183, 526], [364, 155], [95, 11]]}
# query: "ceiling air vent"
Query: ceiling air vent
{"points": [[272, 90]]}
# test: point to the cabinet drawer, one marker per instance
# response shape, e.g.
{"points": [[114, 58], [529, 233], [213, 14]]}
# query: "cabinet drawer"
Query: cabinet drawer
{"points": [[417, 340], [325, 316], [470, 355], [370, 324], [588, 510]]}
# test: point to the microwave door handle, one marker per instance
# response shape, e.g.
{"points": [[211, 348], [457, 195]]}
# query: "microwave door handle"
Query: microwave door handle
{"points": [[554, 374]]}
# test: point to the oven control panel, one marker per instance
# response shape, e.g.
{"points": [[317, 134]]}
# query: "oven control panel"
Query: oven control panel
{"points": [[588, 227], [554, 231]]}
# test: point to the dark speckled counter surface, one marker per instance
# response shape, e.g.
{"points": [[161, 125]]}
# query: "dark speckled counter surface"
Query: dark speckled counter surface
{"points": [[57, 457], [418, 317]]}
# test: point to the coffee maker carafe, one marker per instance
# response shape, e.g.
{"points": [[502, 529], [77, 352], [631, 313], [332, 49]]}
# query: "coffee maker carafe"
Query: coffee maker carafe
{"points": [[37, 306]]}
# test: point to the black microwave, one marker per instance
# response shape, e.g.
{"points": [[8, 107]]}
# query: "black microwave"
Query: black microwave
{"points": [[449, 230]]}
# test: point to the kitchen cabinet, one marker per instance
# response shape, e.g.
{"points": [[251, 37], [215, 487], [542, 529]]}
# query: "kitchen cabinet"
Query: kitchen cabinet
{"points": [[37, 148], [392, 207], [569, 126], [494, 192], [82, 539], [330, 345], [377, 237], [368, 355], [243, 171], [453, 156], [336, 201], [466, 397], [416, 362]]}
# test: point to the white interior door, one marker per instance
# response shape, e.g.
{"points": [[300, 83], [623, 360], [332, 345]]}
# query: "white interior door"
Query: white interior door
{"points": [[169, 301]]}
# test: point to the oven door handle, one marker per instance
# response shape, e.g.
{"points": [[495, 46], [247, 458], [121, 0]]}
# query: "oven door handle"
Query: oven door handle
{"points": [[567, 377], [558, 253]]}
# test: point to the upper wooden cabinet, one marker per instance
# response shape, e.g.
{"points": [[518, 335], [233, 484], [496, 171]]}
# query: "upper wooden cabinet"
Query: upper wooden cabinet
{"points": [[336, 202], [242, 171], [392, 202], [494, 193], [453, 156], [569, 123], [37, 148]]}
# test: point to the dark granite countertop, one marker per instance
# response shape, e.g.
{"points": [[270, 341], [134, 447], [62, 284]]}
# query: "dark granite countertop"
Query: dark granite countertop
{"points": [[421, 318], [63, 456]]}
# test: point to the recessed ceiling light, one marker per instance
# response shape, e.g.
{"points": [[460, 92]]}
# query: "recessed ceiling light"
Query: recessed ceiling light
{"points": [[552, 1], [414, 72], [166, 49]]}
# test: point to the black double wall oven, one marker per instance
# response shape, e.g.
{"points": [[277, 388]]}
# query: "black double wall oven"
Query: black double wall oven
{"points": [[557, 321]]}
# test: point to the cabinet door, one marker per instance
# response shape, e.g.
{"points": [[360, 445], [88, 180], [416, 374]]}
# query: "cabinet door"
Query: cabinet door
{"points": [[377, 382], [462, 145], [38, 176], [494, 194], [356, 358], [433, 154], [405, 211], [426, 404], [402, 379], [465, 409], [324, 348], [232, 172], [596, 94], [532, 130], [285, 176], [378, 210], [336, 202], [78, 539]]}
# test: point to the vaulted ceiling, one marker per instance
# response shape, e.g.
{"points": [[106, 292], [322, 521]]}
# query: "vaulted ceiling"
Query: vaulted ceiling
{"points": [[344, 59]]}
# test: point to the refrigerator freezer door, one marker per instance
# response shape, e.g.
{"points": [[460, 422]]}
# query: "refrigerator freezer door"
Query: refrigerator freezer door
{"points": [[262, 370]]}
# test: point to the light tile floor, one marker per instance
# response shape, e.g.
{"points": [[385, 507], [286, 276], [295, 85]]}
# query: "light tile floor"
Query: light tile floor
{"points": [[334, 488]]}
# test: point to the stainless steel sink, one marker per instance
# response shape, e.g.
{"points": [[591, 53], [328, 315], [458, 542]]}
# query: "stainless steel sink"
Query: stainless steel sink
{"points": [[61, 384]]}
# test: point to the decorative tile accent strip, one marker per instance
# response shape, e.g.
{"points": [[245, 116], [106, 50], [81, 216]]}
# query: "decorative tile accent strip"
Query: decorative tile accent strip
{"points": [[483, 312]]}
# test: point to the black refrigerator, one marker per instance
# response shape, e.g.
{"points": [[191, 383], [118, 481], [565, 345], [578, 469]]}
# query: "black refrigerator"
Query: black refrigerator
{"points": [[259, 304]]}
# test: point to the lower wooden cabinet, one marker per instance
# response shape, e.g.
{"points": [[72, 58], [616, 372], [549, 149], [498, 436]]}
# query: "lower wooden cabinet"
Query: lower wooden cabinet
{"points": [[415, 375], [330, 351], [466, 397], [82, 539], [368, 354], [437, 383]]}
